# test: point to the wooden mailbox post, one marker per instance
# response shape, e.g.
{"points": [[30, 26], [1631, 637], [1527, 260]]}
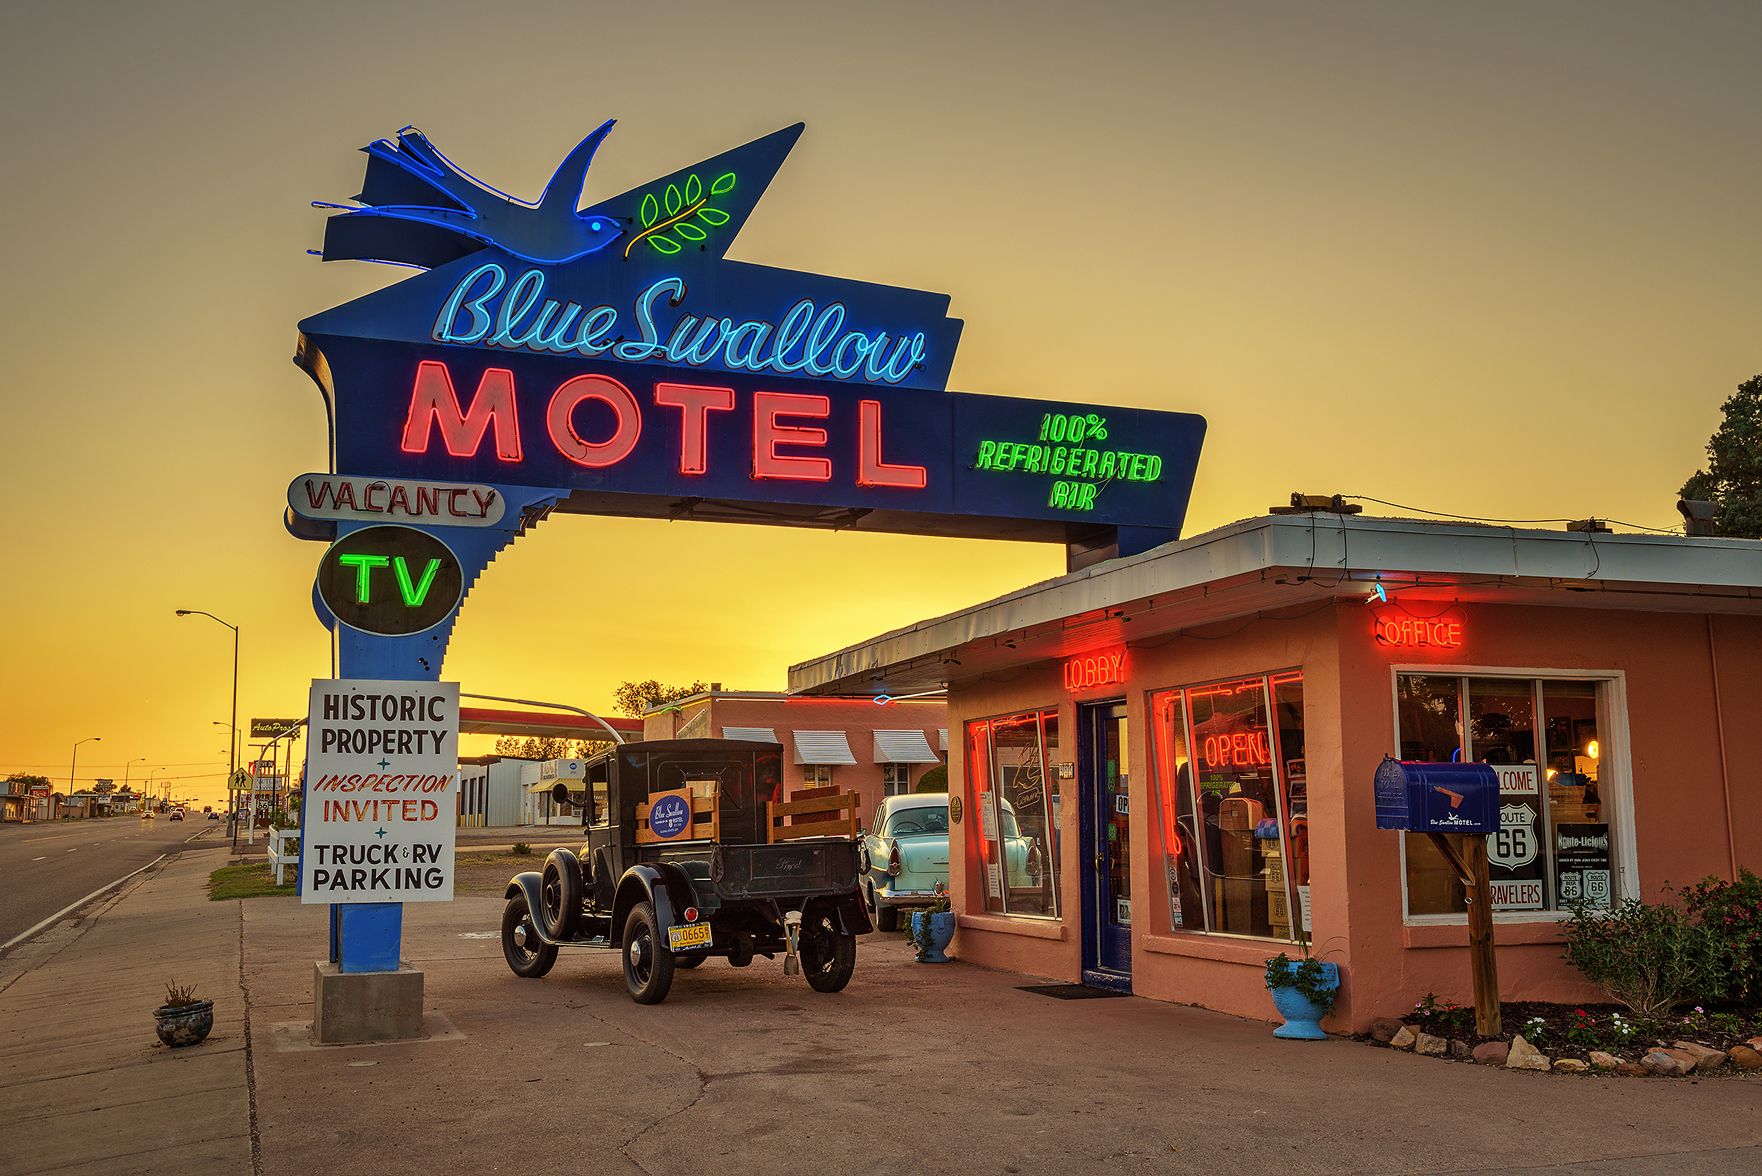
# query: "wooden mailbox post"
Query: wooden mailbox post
{"points": [[1456, 805]]}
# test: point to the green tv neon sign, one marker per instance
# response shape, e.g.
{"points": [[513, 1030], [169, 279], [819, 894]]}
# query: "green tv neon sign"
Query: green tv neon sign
{"points": [[390, 580]]}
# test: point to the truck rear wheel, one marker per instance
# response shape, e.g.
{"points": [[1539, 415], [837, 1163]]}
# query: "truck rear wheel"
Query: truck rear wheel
{"points": [[648, 964], [527, 955], [828, 957]]}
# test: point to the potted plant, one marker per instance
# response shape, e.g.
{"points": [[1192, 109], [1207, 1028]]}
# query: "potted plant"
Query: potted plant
{"points": [[183, 1019], [932, 928], [1303, 991]]}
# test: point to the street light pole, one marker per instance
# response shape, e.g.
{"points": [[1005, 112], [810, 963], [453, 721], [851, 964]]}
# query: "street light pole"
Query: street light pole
{"points": [[139, 759], [75, 764], [232, 743]]}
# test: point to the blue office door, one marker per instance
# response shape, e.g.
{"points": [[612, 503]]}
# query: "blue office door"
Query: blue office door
{"points": [[1108, 913]]}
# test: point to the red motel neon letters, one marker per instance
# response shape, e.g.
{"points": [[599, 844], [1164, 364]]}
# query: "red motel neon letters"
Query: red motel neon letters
{"points": [[434, 405]]}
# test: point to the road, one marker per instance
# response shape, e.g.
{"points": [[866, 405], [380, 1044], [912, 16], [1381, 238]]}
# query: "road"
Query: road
{"points": [[44, 867]]}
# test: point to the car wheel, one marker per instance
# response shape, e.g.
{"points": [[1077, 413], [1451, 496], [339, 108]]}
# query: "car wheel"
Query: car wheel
{"points": [[559, 895], [528, 956], [648, 965], [828, 957], [885, 918]]}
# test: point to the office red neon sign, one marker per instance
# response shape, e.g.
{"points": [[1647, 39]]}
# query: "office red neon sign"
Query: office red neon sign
{"points": [[1419, 632]]}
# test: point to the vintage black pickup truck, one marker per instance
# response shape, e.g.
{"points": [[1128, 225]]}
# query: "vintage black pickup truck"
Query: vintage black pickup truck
{"points": [[691, 853]]}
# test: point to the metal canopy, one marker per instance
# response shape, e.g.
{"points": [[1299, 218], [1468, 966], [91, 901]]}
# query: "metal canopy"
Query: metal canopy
{"points": [[1286, 565], [822, 747], [904, 747], [751, 734]]}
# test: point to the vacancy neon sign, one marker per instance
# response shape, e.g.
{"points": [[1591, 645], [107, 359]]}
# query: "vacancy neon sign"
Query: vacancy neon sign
{"points": [[785, 446]]}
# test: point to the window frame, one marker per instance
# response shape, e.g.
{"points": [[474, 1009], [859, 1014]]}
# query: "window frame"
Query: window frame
{"points": [[972, 835], [810, 775], [904, 771], [1281, 783], [1614, 783]]}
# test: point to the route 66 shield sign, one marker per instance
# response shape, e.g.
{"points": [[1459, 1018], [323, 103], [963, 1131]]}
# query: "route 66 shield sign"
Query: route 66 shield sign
{"points": [[1514, 845]]}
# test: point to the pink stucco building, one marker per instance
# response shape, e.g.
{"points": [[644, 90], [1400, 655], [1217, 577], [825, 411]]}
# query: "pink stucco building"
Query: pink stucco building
{"points": [[1191, 735], [872, 747]]}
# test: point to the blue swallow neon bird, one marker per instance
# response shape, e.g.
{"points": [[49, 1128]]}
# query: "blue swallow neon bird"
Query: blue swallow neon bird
{"points": [[424, 211]]}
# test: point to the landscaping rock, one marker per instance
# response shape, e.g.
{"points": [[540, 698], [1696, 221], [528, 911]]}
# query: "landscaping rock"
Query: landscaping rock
{"points": [[1435, 1046], [1570, 1065], [1383, 1029], [1604, 1061], [1665, 1064], [1460, 1051], [1631, 1070], [1685, 1059], [1746, 1058], [1491, 1053], [1524, 1056], [1705, 1058], [1755, 1043], [1403, 1039]]}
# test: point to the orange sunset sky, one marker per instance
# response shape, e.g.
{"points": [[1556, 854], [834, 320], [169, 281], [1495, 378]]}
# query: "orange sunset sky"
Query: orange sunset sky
{"points": [[1496, 260]]}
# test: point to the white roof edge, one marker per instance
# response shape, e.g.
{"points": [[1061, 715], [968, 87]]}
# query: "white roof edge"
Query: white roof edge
{"points": [[1327, 544]]}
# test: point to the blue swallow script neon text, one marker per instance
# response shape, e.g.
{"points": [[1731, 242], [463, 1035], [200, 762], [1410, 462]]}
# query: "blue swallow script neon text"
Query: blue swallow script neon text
{"points": [[485, 309]]}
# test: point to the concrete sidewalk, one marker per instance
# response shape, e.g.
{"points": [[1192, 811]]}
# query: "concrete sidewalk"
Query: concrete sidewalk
{"points": [[912, 1069], [88, 1087]]}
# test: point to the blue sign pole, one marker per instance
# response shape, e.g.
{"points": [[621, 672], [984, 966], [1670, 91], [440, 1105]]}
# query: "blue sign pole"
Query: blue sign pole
{"points": [[366, 937]]}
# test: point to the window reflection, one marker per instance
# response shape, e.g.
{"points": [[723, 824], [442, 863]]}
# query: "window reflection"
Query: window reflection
{"points": [[1234, 799], [1015, 800]]}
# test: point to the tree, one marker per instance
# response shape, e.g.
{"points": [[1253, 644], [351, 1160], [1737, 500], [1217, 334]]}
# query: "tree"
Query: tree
{"points": [[549, 748], [1733, 477], [633, 698], [21, 784]]}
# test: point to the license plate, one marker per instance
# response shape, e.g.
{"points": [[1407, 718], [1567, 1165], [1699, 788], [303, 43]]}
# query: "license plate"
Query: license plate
{"points": [[692, 935]]}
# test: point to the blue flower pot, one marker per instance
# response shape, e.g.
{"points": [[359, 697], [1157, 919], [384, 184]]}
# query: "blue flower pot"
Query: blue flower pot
{"points": [[1303, 1016], [941, 934], [185, 1025]]}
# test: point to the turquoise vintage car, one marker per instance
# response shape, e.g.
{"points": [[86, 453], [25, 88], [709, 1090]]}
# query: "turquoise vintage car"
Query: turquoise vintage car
{"points": [[905, 854]]}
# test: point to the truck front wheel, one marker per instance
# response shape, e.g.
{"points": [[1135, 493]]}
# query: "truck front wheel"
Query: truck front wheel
{"points": [[648, 964], [527, 955], [827, 957]]}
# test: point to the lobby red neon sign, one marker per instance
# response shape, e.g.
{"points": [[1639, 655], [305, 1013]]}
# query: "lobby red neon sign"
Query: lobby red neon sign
{"points": [[1095, 669]]}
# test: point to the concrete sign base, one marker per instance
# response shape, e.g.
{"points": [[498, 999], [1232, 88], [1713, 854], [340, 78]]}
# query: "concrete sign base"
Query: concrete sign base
{"points": [[353, 1007]]}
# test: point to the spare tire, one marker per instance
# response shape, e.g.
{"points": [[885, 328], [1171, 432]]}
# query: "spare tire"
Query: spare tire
{"points": [[559, 896]]}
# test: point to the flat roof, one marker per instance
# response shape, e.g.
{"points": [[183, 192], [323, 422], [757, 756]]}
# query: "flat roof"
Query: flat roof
{"points": [[1285, 562]]}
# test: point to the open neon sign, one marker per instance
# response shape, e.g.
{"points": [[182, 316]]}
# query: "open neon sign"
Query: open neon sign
{"points": [[1244, 749]]}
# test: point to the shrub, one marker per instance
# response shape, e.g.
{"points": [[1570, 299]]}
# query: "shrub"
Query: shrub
{"points": [[1646, 957], [521, 849], [1731, 915], [935, 780]]}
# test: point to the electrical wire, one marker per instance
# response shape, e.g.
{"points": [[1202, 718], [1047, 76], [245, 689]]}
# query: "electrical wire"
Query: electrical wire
{"points": [[1506, 522]]}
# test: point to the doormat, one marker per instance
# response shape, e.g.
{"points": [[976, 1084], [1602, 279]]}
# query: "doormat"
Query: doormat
{"points": [[1070, 991]]}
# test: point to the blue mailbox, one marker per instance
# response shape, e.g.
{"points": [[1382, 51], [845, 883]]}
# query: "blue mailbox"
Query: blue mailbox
{"points": [[1437, 798]]}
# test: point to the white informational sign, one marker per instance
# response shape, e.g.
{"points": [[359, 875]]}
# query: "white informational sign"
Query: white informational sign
{"points": [[382, 780], [987, 818]]}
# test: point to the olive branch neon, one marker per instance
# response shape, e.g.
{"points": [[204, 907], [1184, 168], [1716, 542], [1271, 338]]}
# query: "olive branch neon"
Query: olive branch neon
{"points": [[681, 208]]}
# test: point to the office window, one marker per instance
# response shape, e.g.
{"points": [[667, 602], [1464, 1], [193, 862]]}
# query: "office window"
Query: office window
{"points": [[1554, 847]]}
